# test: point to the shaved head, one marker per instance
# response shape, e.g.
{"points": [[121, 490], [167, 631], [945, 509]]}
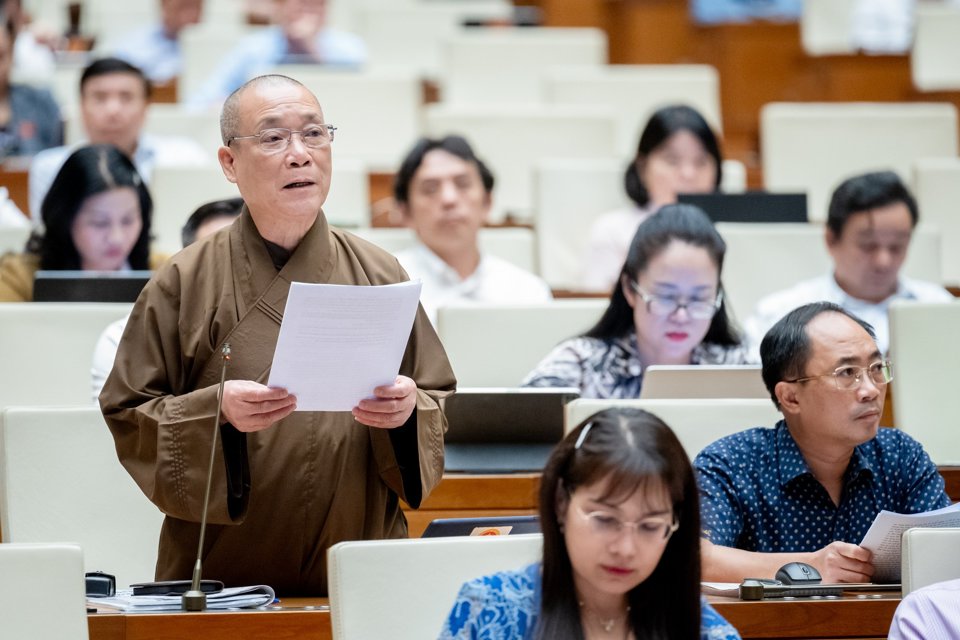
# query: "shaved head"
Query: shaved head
{"points": [[230, 114]]}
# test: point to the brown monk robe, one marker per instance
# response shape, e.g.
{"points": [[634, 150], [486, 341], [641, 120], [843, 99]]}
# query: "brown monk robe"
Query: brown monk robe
{"points": [[283, 495]]}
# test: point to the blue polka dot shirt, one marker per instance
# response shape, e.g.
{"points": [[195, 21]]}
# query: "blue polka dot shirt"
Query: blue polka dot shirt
{"points": [[758, 494]]}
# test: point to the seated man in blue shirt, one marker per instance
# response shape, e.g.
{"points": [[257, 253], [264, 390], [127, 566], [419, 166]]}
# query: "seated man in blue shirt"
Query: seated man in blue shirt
{"points": [[808, 489]]}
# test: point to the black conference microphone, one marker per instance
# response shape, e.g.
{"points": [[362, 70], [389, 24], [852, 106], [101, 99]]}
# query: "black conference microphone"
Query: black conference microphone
{"points": [[195, 599]]}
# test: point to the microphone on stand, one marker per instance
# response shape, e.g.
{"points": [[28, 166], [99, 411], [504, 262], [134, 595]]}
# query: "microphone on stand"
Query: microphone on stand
{"points": [[195, 599]]}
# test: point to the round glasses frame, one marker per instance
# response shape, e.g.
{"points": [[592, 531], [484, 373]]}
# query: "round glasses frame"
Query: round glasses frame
{"points": [[667, 306], [652, 529], [277, 139], [851, 377]]}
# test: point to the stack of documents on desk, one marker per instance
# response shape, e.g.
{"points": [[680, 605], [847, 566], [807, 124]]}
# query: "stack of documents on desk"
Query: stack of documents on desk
{"points": [[229, 598], [883, 537]]}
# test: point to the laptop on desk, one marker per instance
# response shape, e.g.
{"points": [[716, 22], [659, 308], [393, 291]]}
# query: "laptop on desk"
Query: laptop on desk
{"points": [[752, 206], [482, 526], [503, 430], [703, 381], [89, 286]]}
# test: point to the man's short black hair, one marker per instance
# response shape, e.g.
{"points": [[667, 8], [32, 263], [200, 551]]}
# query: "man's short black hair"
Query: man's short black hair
{"points": [[106, 66], [455, 145], [785, 349], [215, 209], [865, 192]]}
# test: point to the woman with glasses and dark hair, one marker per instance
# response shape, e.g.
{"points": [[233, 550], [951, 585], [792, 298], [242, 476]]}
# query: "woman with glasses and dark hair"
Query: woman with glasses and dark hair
{"points": [[96, 217], [677, 153], [666, 308], [621, 538]]}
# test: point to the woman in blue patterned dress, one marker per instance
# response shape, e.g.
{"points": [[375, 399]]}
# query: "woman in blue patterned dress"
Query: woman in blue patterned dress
{"points": [[666, 308], [621, 546]]}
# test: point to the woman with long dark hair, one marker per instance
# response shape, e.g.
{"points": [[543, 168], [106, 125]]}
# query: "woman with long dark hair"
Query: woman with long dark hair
{"points": [[677, 153], [667, 307], [621, 546], [96, 217]]}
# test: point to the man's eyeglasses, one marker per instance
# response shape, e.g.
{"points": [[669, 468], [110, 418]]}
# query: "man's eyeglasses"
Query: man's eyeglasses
{"points": [[609, 527], [850, 377], [668, 305], [274, 140]]}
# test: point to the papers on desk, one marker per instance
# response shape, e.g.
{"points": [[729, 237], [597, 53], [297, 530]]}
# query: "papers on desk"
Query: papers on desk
{"points": [[883, 537], [728, 589], [229, 598], [338, 342]]}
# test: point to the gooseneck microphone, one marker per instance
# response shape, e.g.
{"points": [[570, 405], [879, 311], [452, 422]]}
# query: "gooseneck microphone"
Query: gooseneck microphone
{"points": [[195, 599]]}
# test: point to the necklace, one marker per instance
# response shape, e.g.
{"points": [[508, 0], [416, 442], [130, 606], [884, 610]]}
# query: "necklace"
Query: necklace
{"points": [[607, 624]]}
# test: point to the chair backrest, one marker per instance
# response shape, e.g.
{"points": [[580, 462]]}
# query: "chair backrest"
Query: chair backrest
{"points": [[569, 196], [936, 42], [513, 244], [635, 92], [165, 119], [513, 140], [826, 27], [47, 350], [377, 112], [410, 35], [494, 345], [937, 189], [813, 147], [13, 239], [42, 592], [928, 556], [697, 422], [62, 481], [798, 252], [506, 66], [364, 576], [925, 356]]}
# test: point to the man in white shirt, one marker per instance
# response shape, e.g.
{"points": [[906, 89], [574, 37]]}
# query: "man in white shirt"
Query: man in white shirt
{"points": [[114, 96], [444, 193], [869, 226]]}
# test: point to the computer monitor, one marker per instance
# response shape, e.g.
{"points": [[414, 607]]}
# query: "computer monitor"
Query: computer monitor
{"points": [[503, 429], [752, 206], [89, 286]]}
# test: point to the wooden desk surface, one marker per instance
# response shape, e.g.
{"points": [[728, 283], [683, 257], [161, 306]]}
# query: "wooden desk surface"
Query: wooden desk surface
{"points": [[847, 617]]}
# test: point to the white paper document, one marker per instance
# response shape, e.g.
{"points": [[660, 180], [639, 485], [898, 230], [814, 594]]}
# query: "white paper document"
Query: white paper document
{"points": [[229, 598], [338, 342], [883, 537]]}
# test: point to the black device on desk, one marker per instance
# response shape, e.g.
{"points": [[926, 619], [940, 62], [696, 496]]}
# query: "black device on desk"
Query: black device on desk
{"points": [[503, 430], [752, 206], [483, 526], [174, 587], [89, 286]]}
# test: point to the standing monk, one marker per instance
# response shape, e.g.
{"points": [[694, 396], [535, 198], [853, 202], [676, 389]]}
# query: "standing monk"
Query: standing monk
{"points": [[286, 485]]}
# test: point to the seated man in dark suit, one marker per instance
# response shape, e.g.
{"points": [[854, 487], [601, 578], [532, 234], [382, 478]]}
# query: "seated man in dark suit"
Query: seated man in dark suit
{"points": [[808, 489]]}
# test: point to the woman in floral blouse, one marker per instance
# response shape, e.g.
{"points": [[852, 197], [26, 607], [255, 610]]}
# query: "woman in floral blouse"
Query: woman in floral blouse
{"points": [[666, 308]]}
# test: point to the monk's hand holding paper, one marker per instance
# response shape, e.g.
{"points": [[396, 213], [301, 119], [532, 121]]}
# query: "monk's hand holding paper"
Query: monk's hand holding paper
{"points": [[391, 405], [251, 406]]}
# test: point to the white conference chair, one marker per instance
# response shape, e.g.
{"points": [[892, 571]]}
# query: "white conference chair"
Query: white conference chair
{"points": [[937, 189], [377, 112], [925, 357], [365, 601], [42, 594], [513, 244], [409, 36], [62, 481], [813, 147], [928, 556], [697, 422], [634, 92], [514, 140], [506, 66], [569, 196], [47, 350], [936, 42], [826, 27], [492, 345], [13, 239], [764, 258]]}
